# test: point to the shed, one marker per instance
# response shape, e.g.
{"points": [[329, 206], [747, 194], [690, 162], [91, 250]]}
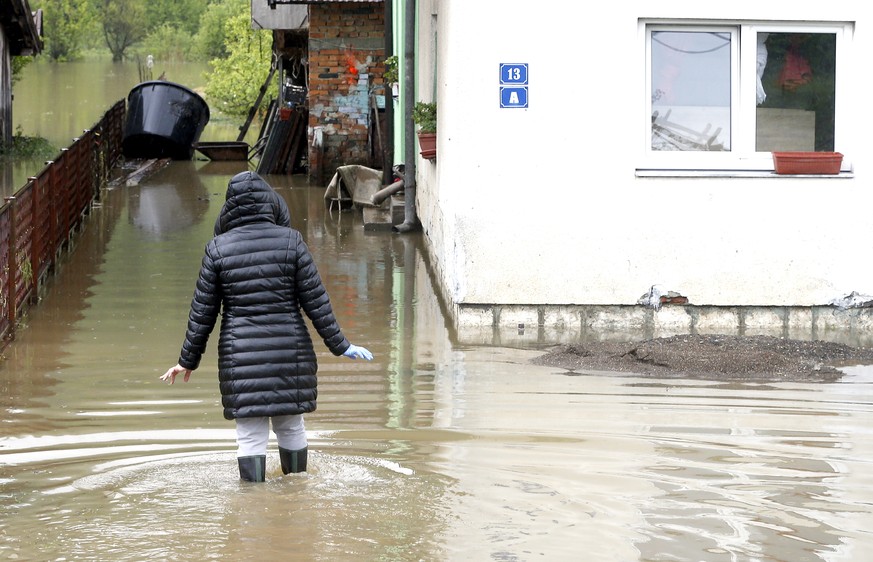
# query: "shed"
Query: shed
{"points": [[20, 35]]}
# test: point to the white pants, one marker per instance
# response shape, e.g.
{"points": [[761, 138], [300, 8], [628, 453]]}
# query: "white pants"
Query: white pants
{"points": [[253, 434]]}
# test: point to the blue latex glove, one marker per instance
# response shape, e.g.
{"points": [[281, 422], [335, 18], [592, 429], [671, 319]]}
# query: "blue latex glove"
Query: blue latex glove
{"points": [[357, 352]]}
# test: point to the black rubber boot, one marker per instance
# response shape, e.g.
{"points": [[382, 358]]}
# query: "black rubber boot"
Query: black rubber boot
{"points": [[293, 461], [253, 469]]}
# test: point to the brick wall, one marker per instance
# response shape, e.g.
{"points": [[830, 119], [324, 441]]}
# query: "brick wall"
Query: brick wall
{"points": [[346, 58]]}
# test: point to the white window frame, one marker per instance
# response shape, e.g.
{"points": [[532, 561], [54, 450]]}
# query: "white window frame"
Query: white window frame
{"points": [[742, 157]]}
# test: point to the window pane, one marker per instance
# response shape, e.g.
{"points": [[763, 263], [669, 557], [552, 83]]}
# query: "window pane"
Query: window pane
{"points": [[796, 84], [691, 90]]}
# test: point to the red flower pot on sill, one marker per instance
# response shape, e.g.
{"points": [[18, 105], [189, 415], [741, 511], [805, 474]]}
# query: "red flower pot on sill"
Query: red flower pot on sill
{"points": [[810, 163], [427, 144]]}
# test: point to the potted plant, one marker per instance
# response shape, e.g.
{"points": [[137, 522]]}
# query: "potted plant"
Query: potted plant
{"points": [[425, 116], [390, 75]]}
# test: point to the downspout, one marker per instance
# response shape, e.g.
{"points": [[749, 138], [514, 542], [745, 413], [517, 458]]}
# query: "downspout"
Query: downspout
{"points": [[388, 148], [407, 93]]}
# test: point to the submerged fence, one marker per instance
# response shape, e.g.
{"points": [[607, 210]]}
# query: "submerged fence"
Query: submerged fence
{"points": [[39, 220]]}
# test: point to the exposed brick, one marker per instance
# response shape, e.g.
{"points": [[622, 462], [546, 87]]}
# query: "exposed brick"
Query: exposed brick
{"points": [[346, 139]]}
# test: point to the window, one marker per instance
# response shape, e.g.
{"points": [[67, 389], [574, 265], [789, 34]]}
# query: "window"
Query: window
{"points": [[795, 91], [723, 97], [691, 90]]}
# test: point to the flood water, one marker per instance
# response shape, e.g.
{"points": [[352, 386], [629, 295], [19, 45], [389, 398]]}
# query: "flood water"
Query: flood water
{"points": [[58, 101], [433, 451]]}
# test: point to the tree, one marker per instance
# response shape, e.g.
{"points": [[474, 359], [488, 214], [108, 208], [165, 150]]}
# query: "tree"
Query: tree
{"points": [[210, 41], [181, 14], [124, 25], [66, 21], [236, 80]]}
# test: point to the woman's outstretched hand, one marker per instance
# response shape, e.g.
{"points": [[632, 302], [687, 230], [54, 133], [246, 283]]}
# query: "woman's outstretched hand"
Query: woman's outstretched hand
{"points": [[358, 352], [170, 376]]}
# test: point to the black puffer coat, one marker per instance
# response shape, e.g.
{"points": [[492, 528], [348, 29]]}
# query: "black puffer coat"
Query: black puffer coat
{"points": [[259, 275]]}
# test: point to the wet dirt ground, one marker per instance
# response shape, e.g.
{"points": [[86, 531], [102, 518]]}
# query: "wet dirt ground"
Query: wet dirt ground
{"points": [[713, 357]]}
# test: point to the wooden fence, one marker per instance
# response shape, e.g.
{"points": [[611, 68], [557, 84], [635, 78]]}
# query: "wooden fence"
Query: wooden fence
{"points": [[38, 222]]}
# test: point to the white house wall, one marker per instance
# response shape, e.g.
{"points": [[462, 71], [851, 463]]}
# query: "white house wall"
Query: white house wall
{"points": [[526, 209]]}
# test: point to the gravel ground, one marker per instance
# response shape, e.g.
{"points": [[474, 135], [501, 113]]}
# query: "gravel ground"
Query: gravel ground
{"points": [[713, 357]]}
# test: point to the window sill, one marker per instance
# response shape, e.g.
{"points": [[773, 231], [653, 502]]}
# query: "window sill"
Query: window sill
{"points": [[645, 173]]}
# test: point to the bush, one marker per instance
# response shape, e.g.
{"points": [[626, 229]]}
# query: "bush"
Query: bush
{"points": [[27, 148], [166, 43]]}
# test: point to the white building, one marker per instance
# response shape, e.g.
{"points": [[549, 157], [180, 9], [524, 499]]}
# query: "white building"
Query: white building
{"points": [[553, 209]]}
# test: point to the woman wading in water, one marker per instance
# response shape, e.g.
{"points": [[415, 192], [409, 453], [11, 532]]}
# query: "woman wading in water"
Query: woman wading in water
{"points": [[258, 273]]}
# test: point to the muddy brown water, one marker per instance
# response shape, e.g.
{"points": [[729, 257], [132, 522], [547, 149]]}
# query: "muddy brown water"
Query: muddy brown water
{"points": [[433, 451]]}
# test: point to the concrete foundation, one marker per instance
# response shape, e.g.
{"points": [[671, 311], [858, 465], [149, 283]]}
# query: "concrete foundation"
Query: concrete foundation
{"points": [[545, 324]]}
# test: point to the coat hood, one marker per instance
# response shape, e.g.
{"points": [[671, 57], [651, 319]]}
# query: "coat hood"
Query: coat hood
{"points": [[250, 199]]}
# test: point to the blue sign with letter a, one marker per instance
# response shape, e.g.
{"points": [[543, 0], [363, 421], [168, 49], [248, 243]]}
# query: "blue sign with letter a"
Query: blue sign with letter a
{"points": [[513, 96]]}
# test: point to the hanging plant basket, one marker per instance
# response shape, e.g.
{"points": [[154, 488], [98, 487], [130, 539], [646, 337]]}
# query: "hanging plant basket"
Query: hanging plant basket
{"points": [[810, 163]]}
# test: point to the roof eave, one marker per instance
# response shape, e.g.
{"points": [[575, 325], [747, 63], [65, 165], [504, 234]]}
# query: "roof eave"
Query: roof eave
{"points": [[22, 27]]}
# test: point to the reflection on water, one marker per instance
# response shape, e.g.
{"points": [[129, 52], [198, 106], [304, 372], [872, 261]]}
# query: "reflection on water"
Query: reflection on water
{"points": [[433, 451], [158, 208]]}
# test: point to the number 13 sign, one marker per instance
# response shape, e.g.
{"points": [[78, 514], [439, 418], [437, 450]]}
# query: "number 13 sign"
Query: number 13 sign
{"points": [[515, 74]]}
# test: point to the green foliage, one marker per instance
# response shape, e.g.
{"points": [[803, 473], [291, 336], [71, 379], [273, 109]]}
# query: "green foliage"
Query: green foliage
{"points": [[23, 147], [18, 66], [169, 29], [123, 25], [425, 116], [166, 29], [24, 267], [210, 41], [65, 24], [183, 15], [391, 72], [235, 81], [166, 43]]}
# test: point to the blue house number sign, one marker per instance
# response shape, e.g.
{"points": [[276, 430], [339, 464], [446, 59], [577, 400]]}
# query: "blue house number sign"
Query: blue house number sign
{"points": [[513, 74], [513, 85]]}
